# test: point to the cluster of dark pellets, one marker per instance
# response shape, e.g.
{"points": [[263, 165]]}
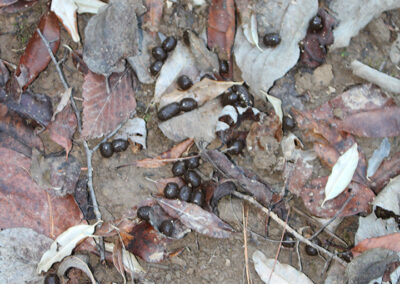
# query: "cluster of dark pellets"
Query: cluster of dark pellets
{"points": [[190, 192], [238, 96], [160, 54], [173, 109], [107, 149]]}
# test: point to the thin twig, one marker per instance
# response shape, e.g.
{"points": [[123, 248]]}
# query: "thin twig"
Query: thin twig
{"points": [[333, 218], [246, 256], [288, 228], [85, 144]]}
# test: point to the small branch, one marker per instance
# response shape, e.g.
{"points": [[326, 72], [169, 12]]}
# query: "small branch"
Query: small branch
{"points": [[288, 228], [333, 218]]}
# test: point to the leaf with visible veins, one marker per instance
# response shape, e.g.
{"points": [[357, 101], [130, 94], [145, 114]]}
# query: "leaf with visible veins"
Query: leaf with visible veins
{"points": [[102, 111]]}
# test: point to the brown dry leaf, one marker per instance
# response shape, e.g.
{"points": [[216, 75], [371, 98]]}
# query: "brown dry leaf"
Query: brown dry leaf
{"points": [[221, 27], [315, 45], [102, 111], [384, 122], [117, 258], [196, 218], [62, 129], [313, 196], [29, 205], [390, 242], [18, 6], [390, 168], [173, 153], [248, 180], [202, 92], [153, 16], [297, 175], [36, 57], [145, 242], [77, 60], [37, 107], [16, 135]]}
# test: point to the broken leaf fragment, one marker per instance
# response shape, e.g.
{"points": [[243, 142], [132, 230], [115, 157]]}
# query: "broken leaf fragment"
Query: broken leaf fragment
{"points": [[342, 173], [64, 244]]}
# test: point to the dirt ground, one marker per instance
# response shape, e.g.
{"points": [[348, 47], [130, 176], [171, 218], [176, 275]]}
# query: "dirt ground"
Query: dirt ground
{"points": [[206, 260]]}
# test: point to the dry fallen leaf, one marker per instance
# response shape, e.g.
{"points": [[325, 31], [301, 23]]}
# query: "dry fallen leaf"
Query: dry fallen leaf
{"points": [[102, 111], [342, 173], [36, 57], [196, 218], [17, 6], [378, 156], [64, 244], [135, 130], [281, 273], [391, 242], [388, 169], [75, 262]]}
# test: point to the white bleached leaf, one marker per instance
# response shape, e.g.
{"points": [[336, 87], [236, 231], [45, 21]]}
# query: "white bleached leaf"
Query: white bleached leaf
{"points": [[261, 68], [128, 259], [135, 130], [89, 6], [342, 173], [202, 92], [378, 156], [64, 244], [277, 104], [282, 273], [66, 13], [250, 31], [77, 262]]}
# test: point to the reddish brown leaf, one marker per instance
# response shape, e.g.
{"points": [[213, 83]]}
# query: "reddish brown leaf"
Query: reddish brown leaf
{"points": [[387, 170], [37, 107], [36, 56], [4, 74], [297, 175], [196, 218], [221, 27], [383, 122], [145, 242], [8, 142], [314, 194], [18, 6], [102, 111], [248, 180], [314, 49], [15, 127], [389, 270], [173, 153], [153, 16], [62, 129], [29, 205], [390, 242]]}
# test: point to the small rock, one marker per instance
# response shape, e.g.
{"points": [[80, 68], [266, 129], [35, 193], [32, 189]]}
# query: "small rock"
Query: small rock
{"points": [[379, 31], [395, 51], [322, 76], [227, 262], [303, 82]]}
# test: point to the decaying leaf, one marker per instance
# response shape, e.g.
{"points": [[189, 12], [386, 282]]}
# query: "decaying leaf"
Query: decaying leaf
{"points": [[64, 244], [202, 91], [107, 38], [54, 173], [199, 123], [37, 107], [145, 242], [4, 74], [250, 31], [385, 123], [117, 258], [281, 273], [378, 156], [135, 130], [17, 6], [30, 205], [221, 27], [102, 111], [196, 218], [36, 57], [173, 153], [388, 169], [277, 104], [179, 62], [75, 262], [64, 99], [62, 129], [349, 26], [16, 135], [248, 180], [66, 13], [342, 173], [261, 68], [131, 265], [153, 16], [21, 250]]}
